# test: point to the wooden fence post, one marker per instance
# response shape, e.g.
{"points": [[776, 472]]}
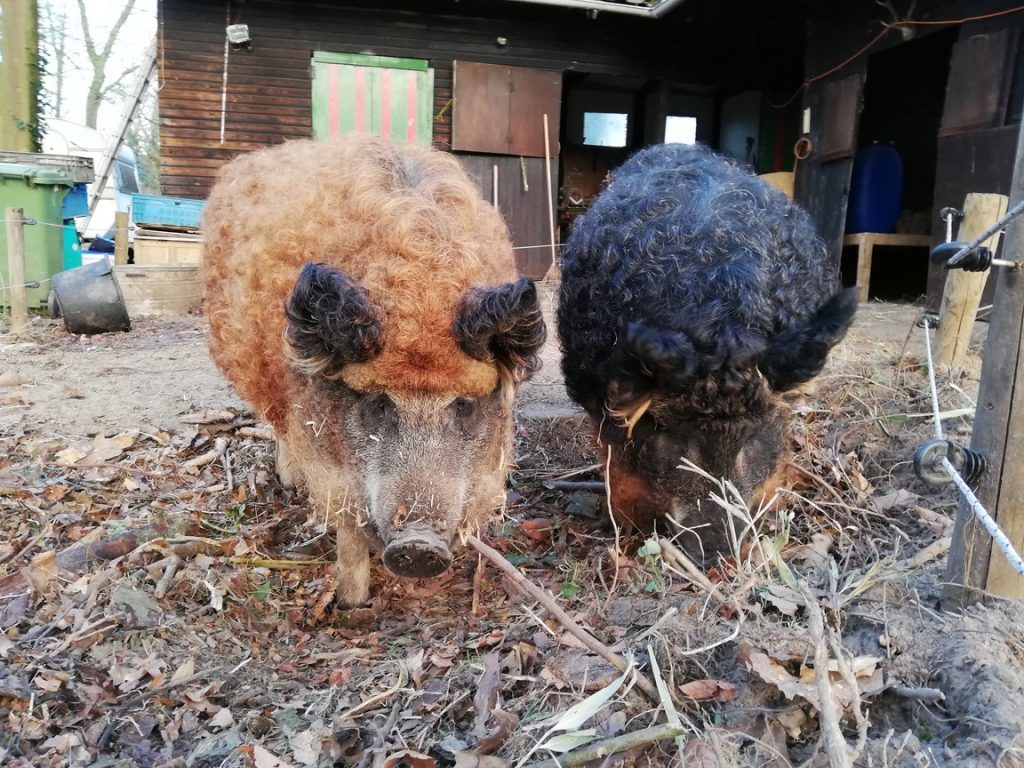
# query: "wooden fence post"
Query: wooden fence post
{"points": [[16, 268], [962, 293], [121, 237], [975, 566]]}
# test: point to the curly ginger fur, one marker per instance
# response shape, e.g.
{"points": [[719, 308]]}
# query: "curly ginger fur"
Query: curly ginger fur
{"points": [[404, 222]]}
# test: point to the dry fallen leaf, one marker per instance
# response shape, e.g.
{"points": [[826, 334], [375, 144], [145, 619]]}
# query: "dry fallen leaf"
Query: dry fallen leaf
{"points": [[473, 760], [866, 669], [719, 690], [187, 669], [794, 721], [413, 759], [487, 689], [223, 719], [263, 758], [42, 572]]}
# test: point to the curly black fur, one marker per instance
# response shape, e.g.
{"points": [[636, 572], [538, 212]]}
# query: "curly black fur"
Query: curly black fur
{"points": [[503, 324], [689, 274], [331, 321]]}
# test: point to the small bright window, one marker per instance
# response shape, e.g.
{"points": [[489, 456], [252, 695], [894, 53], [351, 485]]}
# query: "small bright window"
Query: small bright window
{"points": [[680, 130], [605, 129]]}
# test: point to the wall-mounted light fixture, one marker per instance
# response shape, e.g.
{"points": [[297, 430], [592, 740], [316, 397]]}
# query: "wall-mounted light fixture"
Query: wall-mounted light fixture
{"points": [[238, 36]]}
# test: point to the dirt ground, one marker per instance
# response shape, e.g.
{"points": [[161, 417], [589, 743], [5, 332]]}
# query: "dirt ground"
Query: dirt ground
{"points": [[164, 602]]}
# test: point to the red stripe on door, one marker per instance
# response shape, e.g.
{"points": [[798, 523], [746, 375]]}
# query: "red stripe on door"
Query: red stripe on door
{"points": [[333, 117], [360, 99]]}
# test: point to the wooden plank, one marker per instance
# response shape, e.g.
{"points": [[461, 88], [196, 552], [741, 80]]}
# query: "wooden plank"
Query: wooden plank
{"points": [[424, 108], [365, 60], [822, 187], [121, 237], [481, 109], [524, 211], [841, 104], [497, 109], [17, 295], [962, 296], [974, 564], [979, 81], [535, 92]]}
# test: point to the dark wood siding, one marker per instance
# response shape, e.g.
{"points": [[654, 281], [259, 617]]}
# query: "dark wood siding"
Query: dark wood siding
{"points": [[269, 87]]}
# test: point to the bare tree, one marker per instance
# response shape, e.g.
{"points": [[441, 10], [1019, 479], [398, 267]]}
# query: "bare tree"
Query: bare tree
{"points": [[53, 32], [99, 86]]}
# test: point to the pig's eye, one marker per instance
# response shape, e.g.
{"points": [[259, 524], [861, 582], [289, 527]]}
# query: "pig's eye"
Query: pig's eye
{"points": [[465, 412], [379, 412]]}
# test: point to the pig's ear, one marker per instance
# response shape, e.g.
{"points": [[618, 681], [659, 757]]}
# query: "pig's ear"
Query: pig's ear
{"points": [[799, 355], [645, 360], [331, 322], [502, 325]]}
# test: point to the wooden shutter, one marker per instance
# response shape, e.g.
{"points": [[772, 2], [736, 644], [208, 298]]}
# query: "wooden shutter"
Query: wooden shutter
{"points": [[500, 110], [372, 94], [979, 82]]}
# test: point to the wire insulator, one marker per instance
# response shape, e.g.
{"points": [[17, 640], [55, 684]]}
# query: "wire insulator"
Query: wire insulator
{"points": [[928, 462], [977, 260], [975, 465]]}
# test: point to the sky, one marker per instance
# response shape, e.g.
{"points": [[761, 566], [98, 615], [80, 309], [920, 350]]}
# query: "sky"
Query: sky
{"points": [[129, 49]]}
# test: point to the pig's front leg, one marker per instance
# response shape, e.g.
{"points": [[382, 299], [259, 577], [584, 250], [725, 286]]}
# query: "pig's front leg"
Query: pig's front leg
{"points": [[287, 473], [353, 569]]}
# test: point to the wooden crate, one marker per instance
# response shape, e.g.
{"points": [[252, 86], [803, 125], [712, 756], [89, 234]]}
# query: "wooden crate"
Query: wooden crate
{"points": [[157, 289], [151, 250]]}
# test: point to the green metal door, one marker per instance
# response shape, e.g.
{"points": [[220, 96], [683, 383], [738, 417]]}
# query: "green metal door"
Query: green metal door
{"points": [[372, 94]]}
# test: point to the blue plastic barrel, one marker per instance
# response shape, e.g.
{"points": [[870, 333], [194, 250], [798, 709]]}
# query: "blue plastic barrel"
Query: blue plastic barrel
{"points": [[876, 190]]}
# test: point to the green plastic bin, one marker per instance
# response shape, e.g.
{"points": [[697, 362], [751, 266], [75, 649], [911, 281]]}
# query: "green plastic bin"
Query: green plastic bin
{"points": [[40, 192]]}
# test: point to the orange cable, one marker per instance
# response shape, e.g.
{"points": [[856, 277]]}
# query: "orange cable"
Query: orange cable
{"points": [[883, 33]]}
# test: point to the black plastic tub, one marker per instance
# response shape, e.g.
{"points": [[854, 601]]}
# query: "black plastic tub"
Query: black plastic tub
{"points": [[90, 300]]}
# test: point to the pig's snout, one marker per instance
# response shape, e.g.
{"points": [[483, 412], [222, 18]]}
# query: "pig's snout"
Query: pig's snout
{"points": [[417, 553]]}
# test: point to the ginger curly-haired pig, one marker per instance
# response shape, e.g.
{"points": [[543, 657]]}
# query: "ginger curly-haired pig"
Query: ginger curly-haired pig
{"points": [[363, 298], [693, 296]]}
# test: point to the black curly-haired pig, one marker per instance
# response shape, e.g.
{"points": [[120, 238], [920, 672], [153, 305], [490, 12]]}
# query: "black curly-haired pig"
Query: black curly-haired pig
{"points": [[693, 295]]}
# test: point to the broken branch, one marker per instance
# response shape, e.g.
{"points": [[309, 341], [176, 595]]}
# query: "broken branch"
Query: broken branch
{"points": [[545, 599], [219, 446], [612, 746]]}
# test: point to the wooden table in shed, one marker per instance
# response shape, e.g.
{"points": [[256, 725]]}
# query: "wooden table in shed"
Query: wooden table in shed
{"points": [[866, 242]]}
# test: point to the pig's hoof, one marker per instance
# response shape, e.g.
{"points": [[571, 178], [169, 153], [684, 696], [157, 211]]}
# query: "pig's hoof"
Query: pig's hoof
{"points": [[416, 556], [353, 598]]}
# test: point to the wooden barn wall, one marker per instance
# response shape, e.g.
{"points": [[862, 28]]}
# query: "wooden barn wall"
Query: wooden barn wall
{"points": [[269, 88], [835, 31], [981, 160]]}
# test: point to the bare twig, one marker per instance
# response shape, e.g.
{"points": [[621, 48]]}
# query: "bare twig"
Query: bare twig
{"points": [[225, 460], [918, 694], [831, 734], [208, 417], [259, 432], [478, 580], [137, 696], [171, 564], [927, 554], [403, 677], [219, 446], [595, 486], [605, 747], [545, 599]]}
